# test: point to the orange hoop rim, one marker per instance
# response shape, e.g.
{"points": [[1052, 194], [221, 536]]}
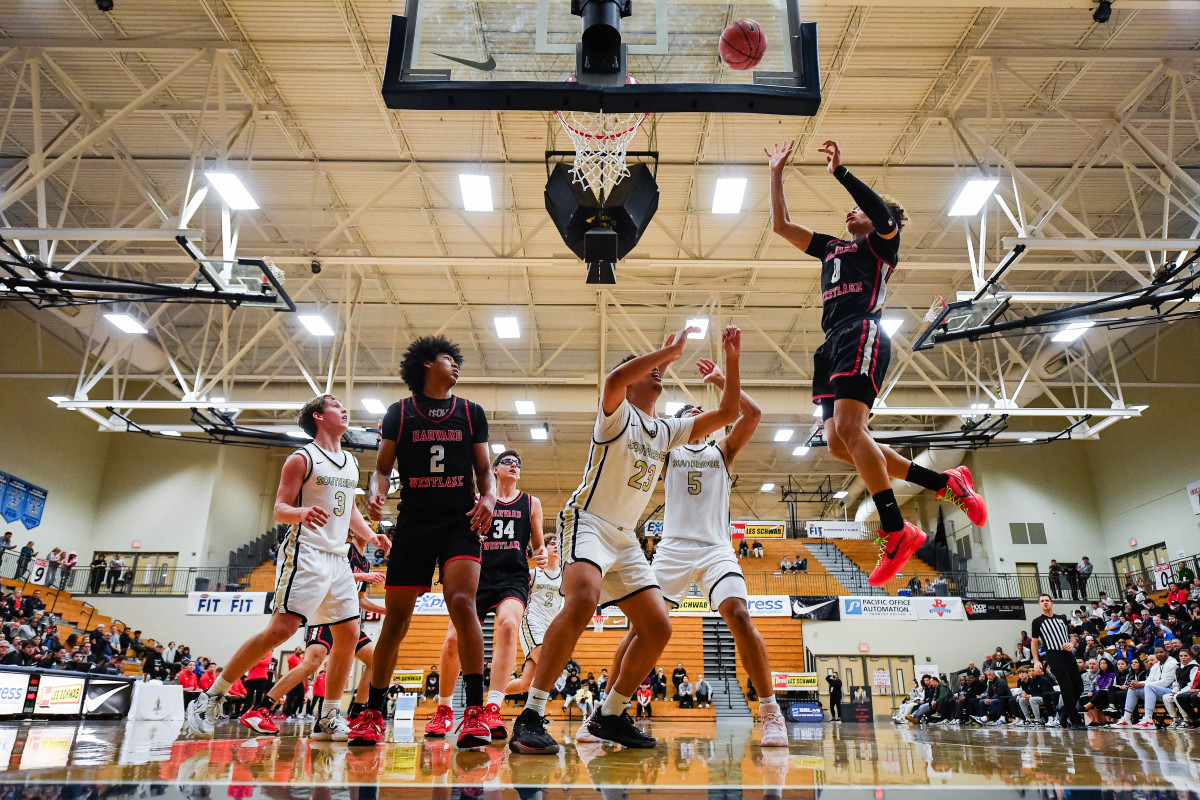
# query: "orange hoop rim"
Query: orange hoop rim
{"points": [[629, 81]]}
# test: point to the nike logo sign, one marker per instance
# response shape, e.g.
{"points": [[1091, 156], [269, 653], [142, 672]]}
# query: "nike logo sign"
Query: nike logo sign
{"points": [[799, 609], [92, 703], [482, 66]]}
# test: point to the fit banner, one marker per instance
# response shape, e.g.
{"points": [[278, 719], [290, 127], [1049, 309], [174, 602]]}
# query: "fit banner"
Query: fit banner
{"points": [[994, 608], [835, 529], [820, 608], [230, 604]]}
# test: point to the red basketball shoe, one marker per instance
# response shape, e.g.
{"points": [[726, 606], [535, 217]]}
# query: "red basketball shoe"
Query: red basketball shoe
{"points": [[368, 729], [259, 720], [440, 723], [495, 722], [472, 730], [895, 549], [960, 490]]}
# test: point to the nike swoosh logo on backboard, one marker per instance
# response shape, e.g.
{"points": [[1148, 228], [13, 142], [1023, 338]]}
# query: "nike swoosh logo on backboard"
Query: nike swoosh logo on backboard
{"points": [[92, 703], [483, 66]]}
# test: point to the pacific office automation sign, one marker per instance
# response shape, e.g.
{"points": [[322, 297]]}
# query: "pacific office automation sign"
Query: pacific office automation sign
{"points": [[902, 608], [758, 530], [230, 604]]}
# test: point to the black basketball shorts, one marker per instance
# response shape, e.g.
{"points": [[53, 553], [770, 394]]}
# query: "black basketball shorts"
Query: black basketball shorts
{"points": [[851, 364], [323, 636], [419, 547], [494, 591]]}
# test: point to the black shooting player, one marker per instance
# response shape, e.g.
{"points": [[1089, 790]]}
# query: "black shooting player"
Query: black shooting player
{"points": [[437, 443], [849, 367], [503, 591]]}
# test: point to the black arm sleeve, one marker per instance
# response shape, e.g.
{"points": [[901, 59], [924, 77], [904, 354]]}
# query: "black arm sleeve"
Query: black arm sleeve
{"points": [[871, 204], [390, 428], [816, 248], [479, 423]]}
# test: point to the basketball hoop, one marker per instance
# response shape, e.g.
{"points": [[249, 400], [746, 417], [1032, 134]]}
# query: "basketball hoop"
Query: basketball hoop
{"points": [[935, 308], [601, 142]]}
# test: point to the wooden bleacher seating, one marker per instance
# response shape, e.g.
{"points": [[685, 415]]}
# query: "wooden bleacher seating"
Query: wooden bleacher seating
{"points": [[865, 555], [819, 580]]}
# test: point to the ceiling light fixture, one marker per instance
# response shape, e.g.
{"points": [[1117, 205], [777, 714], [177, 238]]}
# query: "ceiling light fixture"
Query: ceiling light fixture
{"points": [[498, 448], [507, 327], [171, 433], [476, 192], [702, 324], [1072, 332], [540, 433], [670, 409], [526, 408], [891, 325], [767, 487], [58, 398], [801, 450], [784, 435], [842, 495], [1028, 439], [316, 324], [373, 405], [972, 197], [126, 323], [232, 190], [727, 199]]}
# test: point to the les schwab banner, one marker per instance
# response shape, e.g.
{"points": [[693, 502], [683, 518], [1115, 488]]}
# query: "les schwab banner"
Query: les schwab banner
{"points": [[794, 681], [758, 530], [759, 605]]}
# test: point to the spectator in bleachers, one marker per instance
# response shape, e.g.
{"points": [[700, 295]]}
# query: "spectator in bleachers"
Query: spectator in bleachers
{"points": [[571, 686], [65, 568], [154, 665], [703, 692], [586, 700], [116, 571], [802, 565], [168, 653], [1084, 571], [785, 564], [660, 685], [999, 662], [995, 699], [743, 550], [186, 678], [756, 549], [96, 573], [1175, 594], [432, 683], [26, 555], [910, 704], [685, 694], [1160, 680], [1188, 698], [6, 543], [1032, 685], [678, 677], [936, 694], [35, 603], [52, 559], [644, 697], [9, 656], [209, 677], [1185, 676]]}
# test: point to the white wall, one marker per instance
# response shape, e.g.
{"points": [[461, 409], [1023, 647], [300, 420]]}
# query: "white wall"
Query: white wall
{"points": [[241, 500], [165, 618], [948, 643]]}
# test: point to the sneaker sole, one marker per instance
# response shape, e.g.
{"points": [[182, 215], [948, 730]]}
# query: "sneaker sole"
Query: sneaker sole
{"points": [[431, 735], [638, 744], [363, 741], [499, 733], [259, 730], [525, 749], [470, 741]]}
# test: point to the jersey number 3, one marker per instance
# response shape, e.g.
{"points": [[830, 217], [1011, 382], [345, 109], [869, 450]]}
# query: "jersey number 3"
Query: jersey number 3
{"points": [[503, 528]]}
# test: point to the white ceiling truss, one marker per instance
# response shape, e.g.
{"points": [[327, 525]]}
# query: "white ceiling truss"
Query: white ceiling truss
{"points": [[107, 122]]}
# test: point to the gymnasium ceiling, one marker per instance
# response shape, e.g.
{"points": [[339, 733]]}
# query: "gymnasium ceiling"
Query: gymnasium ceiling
{"points": [[108, 118]]}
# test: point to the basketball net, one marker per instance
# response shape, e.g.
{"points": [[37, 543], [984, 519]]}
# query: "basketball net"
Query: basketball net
{"points": [[601, 142], [935, 308]]}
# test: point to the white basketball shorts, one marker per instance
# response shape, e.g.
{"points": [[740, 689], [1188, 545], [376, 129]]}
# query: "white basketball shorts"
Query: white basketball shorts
{"points": [[714, 568], [615, 552], [315, 585]]}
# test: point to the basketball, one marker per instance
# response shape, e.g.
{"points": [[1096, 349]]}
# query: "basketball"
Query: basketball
{"points": [[743, 44]]}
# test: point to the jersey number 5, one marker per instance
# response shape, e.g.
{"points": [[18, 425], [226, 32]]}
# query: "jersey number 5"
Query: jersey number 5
{"points": [[694, 482], [437, 454], [643, 479]]}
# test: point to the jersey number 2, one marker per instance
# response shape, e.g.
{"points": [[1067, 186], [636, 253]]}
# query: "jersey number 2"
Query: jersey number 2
{"points": [[437, 454], [644, 478]]}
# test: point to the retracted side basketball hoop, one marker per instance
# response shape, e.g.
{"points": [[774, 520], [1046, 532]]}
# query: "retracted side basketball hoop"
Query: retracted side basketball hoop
{"points": [[601, 143]]}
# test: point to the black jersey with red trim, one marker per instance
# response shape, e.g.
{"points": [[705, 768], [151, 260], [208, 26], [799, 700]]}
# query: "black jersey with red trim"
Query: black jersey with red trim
{"points": [[435, 454], [504, 549], [854, 276], [359, 565]]}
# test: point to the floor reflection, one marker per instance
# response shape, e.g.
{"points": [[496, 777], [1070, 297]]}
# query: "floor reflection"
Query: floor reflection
{"points": [[102, 759]]}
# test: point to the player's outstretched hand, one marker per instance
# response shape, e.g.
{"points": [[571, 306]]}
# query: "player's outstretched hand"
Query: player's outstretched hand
{"points": [[676, 342], [710, 372], [375, 506], [373, 577], [779, 153], [731, 340], [541, 558], [481, 514], [382, 541], [833, 154]]}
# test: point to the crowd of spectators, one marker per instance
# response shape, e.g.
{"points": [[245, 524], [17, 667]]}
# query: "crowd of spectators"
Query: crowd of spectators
{"points": [[754, 550], [1131, 654]]}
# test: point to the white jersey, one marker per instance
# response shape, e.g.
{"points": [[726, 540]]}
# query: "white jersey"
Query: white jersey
{"points": [[545, 596], [626, 458], [329, 484], [698, 484]]}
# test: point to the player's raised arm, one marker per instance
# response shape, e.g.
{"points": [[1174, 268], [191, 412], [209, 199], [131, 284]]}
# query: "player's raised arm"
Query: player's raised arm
{"points": [[781, 221], [868, 201], [724, 414], [613, 392], [746, 424], [290, 482]]}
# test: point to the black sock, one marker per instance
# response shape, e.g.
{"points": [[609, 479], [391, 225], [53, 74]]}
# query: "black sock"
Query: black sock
{"points": [[926, 478], [356, 707], [377, 699], [889, 511], [474, 688]]}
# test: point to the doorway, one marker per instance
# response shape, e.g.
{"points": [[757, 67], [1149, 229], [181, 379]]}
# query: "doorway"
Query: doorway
{"points": [[152, 569], [1029, 584], [1140, 563], [890, 678]]}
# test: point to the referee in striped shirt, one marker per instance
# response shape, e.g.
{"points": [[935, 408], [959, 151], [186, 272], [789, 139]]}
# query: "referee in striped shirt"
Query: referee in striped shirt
{"points": [[1050, 631]]}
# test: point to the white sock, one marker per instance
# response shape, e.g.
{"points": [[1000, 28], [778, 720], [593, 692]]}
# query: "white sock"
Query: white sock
{"points": [[220, 687], [769, 700], [1127, 717], [495, 697], [537, 700], [445, 701], [614, 704]]}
